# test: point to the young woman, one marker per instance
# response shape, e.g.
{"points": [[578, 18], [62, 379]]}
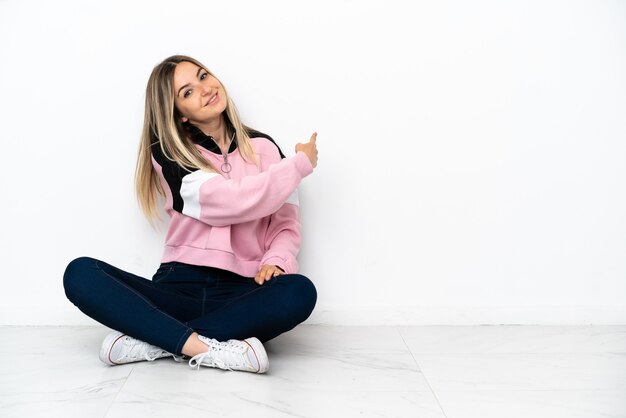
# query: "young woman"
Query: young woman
{"points": [[228, 280]]}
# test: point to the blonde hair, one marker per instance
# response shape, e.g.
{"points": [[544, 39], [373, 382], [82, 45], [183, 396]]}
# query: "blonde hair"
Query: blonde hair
{"points": [[163, 125]]}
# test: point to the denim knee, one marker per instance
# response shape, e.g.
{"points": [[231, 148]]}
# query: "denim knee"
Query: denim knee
{"points": [[75, 278], [301, 297]]}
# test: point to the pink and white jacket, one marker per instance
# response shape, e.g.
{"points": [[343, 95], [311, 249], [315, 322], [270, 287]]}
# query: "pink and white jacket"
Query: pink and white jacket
{"points": [[235, 221]]}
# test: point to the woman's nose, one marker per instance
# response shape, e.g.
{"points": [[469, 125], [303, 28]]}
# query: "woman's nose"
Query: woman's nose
{"points": [[204, 90]]}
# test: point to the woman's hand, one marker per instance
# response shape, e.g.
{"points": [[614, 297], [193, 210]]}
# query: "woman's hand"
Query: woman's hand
{"points": [[310, 149], [267, 272]]}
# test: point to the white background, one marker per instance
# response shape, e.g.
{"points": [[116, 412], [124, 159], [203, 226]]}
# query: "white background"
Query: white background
{"points": [[472, 154]]}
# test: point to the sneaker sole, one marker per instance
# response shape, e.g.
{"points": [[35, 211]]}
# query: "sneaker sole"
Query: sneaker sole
{"points": [[107, 346], [259, 353]]}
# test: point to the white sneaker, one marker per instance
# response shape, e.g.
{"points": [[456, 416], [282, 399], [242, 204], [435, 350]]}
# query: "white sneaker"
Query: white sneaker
{"points": [[119, 348], [248, 355]]}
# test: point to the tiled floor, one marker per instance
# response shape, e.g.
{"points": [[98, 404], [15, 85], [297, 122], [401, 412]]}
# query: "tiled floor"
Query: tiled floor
{"points": [[327, 371]]}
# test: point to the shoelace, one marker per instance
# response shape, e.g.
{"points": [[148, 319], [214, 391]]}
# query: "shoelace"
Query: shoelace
{"points": [[135, 348], [224, 355]]}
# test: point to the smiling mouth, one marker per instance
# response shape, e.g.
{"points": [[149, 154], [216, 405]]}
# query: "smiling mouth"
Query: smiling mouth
{"points": [[212, 100]]}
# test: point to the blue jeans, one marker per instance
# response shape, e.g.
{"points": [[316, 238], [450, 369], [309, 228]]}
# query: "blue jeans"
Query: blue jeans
{"points": [[183, 298]]}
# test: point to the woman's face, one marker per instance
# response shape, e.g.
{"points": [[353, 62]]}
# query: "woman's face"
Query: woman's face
{"points": [[198, 96]]}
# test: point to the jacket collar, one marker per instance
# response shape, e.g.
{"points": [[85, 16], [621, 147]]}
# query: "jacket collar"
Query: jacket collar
{"points": [[207, 141]]}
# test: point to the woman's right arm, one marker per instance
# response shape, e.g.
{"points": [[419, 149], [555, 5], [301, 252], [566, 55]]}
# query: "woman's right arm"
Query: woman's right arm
{"points": [[218, 201]]}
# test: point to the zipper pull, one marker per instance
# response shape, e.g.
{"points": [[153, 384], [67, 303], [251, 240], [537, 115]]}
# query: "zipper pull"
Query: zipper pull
{"points": [[226, 167]]}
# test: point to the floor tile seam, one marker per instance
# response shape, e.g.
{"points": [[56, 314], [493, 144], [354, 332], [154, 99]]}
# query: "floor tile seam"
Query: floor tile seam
{"points": [[272, 407], [118, 392], [400, 348], [432, 391], [601, 387], [528, 390], [320, 391]]}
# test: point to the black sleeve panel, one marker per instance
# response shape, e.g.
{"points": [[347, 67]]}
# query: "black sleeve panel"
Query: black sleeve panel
{"points": [[173, 174]]}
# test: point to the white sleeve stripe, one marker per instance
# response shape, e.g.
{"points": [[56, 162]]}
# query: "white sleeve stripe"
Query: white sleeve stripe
{"points": [[190, 191], [294, 199]]}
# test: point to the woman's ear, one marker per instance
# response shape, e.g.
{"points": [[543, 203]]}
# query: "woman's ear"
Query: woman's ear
{"points": [[184, 119]]}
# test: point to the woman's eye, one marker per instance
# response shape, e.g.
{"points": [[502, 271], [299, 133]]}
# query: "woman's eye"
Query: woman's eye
{"points": [[203, 76], [187, 93]]}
